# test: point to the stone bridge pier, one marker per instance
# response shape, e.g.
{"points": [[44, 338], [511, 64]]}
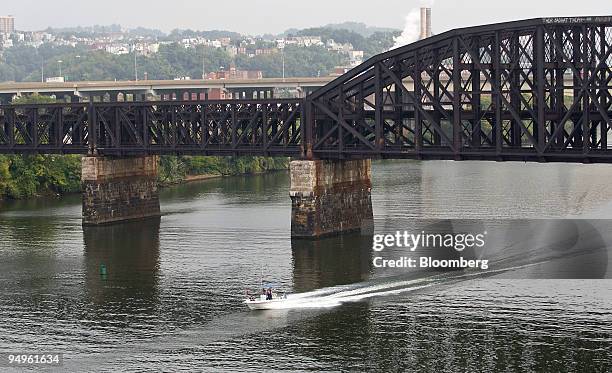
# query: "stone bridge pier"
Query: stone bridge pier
{"points": [[330, 197], [327, 196], [119, 188]]}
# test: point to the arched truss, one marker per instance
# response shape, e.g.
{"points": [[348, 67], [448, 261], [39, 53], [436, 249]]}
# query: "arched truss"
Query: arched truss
{"points": [[538, 89]]}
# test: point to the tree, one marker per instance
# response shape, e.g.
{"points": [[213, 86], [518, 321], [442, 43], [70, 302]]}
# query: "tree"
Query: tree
{"points": [[33, 99], [299, 62]]}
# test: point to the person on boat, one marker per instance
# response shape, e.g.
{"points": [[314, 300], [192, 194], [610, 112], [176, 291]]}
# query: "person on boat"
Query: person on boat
{"points": [[269, 294]]}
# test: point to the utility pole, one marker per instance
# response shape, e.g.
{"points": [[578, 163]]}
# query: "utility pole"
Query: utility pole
{"points": [[135, 65], [283, 57], [203, 65], [42, 69]]}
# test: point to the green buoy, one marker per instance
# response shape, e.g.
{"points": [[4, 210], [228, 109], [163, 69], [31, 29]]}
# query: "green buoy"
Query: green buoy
{"points": [[103, 271]]}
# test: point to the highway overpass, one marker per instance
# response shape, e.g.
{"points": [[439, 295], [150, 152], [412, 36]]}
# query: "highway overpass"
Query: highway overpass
{"points": [[163, 89]]}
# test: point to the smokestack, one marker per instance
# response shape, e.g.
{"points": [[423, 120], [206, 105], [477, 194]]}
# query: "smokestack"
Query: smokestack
{"points": [[425, 23]]}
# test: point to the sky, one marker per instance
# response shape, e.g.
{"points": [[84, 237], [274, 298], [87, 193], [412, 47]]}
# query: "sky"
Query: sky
{"points": [[258, 17]]}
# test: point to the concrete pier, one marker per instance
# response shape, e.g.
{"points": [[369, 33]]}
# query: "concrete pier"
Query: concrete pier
{"points": [[119, 188], [330, 197]]}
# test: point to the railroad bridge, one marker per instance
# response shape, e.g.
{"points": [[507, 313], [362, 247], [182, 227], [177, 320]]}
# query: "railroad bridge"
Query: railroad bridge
{"points": [[533, 90]]}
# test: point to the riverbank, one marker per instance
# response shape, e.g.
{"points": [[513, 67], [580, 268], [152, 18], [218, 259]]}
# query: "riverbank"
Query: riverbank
{"points": [[190, 178], [203, 177], [36, 176], [197, 178]]}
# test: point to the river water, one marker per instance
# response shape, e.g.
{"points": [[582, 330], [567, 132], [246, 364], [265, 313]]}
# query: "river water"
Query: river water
{"points": [[171, 298]]}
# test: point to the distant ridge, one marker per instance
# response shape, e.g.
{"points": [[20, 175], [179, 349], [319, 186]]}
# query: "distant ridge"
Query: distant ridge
{"points": [[356, 27], [360, 28]]}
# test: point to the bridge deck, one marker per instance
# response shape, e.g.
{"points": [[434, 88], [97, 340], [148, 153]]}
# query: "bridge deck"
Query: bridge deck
{"points": [[108, 86]]}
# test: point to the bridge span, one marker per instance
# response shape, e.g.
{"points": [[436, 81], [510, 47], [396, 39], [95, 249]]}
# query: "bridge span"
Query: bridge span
{"points": [[532, 90], [149, 90]]}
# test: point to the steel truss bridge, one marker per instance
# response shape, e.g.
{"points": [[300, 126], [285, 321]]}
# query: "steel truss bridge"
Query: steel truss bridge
{"points": [[532, 90]]}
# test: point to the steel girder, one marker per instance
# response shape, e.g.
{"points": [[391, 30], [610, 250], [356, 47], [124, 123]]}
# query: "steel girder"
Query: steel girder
{"points": [[57, 128], [537, 90], [232, 127]]}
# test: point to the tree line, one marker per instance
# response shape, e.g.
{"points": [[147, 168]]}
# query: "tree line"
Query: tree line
{"points": [[80, 63], [26, 176]]}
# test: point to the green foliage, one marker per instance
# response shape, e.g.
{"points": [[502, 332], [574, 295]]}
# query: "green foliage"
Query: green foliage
{"points": [[362, 28], [177, 34], [299, 62], [22, 63], [172, 61], [376, 43], [23, 176], [174, 169], [171, 169], [206, 165], [33, 99], [338, 35], [189, 61], [33, 175], [26, 176], [379, 42], [7, 183]]}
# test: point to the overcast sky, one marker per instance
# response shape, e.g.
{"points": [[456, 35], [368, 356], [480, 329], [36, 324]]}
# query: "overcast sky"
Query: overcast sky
{"points": [[274, 16]]}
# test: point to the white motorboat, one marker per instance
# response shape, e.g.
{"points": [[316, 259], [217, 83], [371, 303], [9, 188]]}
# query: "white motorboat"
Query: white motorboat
{"points": [[258, 304], [263, 302], [268, 299]]}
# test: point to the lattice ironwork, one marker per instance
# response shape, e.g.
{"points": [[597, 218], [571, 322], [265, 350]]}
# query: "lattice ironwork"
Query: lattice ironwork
{"points": [[528, 90], [534, 90], [54, 128], [234, 127]]}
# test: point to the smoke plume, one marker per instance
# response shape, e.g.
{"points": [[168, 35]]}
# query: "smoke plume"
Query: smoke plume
{"points": [[411, 31]]}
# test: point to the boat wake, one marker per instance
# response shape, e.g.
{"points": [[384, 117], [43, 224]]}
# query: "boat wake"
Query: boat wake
{"points": [[337, 295]]}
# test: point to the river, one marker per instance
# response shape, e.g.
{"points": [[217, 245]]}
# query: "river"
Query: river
{"points": [[171, 295]]}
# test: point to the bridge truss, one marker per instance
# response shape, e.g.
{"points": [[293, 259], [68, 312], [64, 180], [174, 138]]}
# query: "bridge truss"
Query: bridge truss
{"points": [[216, 127], [533, 90], [528, 90]]}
